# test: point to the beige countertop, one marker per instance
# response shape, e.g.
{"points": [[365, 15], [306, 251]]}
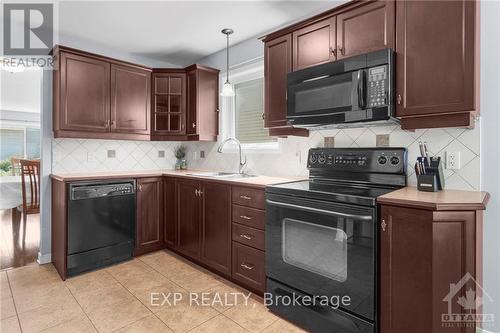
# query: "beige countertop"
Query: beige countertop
{"points": [[442, 200], [259, 181]]}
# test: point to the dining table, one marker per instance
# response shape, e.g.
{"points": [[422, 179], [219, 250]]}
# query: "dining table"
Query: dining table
{"points": [[10, 192]]}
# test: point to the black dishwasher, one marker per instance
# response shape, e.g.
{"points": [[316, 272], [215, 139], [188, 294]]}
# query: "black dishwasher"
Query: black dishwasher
{"points": [[101, 224]]}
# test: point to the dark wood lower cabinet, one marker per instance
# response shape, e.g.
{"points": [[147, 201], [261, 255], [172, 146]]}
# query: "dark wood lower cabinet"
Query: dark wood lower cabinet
{"points": [[189, 218], [424, 257], [149, 215], [216, 226], [170, 212], [249, 266]]}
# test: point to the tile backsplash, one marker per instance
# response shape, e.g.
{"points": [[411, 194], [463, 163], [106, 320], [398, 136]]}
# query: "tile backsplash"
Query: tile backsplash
{"points": [[78, 155]]}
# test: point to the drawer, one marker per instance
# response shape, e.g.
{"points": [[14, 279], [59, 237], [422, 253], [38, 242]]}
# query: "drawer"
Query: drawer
{"points": [[249, 266], [249, 236], [249, 197], [251, 217]]}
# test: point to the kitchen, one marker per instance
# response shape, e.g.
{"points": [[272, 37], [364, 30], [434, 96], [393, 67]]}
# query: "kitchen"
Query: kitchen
{"points": [[210, 169]]}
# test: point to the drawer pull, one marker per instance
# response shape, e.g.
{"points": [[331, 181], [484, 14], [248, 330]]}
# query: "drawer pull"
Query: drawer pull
{"points": [[245, 197], [244, 217], [246, 236], [247, 266]]}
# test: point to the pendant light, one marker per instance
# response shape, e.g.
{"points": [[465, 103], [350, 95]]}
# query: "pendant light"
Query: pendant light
{"points": [[227, 89]]}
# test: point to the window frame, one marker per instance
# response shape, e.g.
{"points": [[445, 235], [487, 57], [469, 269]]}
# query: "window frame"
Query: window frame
{"points": [[248, 71], [21, 127]]}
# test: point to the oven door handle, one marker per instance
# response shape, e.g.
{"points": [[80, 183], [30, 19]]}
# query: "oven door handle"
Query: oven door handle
{"points": [[320, 211]]}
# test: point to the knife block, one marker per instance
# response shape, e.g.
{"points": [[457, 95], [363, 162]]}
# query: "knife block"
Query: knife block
{"points": [[433, 180]]}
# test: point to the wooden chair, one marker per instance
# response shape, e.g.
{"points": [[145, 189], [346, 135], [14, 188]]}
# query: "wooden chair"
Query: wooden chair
{"points": [[15, 168], [30, 171]]}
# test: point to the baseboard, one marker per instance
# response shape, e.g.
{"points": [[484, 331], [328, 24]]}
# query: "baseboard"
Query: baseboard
{"points": [[44, 258]]}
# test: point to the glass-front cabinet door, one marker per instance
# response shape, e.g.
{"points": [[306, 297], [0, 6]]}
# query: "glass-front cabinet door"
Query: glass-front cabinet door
{"points": [[169, 96], [323, 249]]}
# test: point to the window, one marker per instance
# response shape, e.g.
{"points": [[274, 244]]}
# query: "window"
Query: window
{"points": [[19, 142], [249, 106], [242, 114]]}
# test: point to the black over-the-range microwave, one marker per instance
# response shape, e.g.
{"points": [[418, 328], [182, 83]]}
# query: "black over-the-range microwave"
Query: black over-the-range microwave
{"points": [[347, 91]]}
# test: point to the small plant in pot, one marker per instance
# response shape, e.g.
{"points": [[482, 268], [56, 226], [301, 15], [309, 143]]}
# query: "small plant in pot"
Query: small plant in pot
{"points": [[180, 154]]}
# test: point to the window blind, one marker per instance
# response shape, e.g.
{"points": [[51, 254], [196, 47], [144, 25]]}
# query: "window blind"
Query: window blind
{"points": [[249, 106]]}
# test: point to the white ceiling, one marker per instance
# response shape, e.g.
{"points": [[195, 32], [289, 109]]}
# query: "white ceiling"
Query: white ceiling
{"points": [[175, 32]]}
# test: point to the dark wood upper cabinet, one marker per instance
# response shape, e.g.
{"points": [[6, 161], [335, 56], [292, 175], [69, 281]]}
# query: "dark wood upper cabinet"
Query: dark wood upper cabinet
{"points": [[367, 28], [149, 220], [277, 64], [423, 252], [314, 44], [189, 218], [82, 88], [170, 212], [202, 88], [216, 226], [435, 71], [130, 99], [169, 103]]}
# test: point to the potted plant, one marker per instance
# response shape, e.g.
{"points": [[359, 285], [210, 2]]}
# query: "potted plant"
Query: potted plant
{"points": [[180, 154]]}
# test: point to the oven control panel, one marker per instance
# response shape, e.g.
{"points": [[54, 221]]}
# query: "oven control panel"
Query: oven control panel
{"points": [[387, 160]]}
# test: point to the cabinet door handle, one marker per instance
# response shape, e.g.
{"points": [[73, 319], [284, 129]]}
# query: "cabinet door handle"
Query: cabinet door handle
{"points": [[263, 115], [244, 217], [194, 125], [245, 197], [399, 99], [333, 51], [106, 124], [247, 266], [383, 225], [200, 193], [113, 124], [140, 187], [196, 192], [341, 50], [246, 236]]}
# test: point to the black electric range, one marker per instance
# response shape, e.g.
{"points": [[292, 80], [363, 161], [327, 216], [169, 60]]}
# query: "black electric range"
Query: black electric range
{"points": [[321, 238]]}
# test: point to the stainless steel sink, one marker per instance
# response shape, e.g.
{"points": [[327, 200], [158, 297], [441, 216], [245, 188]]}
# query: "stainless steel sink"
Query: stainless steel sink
{"points": [[220, 174]]}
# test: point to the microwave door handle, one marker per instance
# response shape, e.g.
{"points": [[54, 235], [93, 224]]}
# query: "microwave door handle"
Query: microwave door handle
{"points": [[361, 89], [320, 211]]}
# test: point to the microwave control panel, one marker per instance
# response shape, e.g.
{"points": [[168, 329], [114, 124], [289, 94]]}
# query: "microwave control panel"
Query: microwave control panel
{"points": [[377, 86]]}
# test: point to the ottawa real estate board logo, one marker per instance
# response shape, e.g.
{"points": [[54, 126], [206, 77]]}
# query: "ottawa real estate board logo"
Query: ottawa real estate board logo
{"points": [[28, 34], [470, 297]]}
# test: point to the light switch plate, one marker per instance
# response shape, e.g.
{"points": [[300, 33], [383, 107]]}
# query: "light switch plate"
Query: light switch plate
{"points": [[91, 157], [111, 153], [382, 140], [329, 142]]}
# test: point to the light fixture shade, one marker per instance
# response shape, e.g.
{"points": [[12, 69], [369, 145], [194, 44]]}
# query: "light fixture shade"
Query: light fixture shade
{"points": [[227, 90]]}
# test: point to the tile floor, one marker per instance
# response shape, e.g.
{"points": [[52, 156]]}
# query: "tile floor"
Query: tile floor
{"points": [[118, 299]]}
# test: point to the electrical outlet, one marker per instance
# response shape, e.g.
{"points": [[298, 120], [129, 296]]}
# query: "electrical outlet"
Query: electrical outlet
{"points": [[111, 153], [329, 142], [91, 157], [161, 153], [453, 160], [382, 140], [202, 154]]}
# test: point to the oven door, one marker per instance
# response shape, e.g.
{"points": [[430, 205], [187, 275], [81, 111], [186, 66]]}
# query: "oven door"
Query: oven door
{"points": [[333, 99], [323, 249]]}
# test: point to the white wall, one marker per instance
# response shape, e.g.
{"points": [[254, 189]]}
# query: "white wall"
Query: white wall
{"points": [[20, 91], [490, 152]]}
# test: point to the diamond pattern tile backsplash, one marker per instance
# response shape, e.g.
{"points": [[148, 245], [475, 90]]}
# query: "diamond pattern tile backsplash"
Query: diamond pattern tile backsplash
{"points": [[77, 155]]}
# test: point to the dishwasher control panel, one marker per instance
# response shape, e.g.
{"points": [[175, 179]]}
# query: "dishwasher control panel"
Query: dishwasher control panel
{"points": [[89, 190]]}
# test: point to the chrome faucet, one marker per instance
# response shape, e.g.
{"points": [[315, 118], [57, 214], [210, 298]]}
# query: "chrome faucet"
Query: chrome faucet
{"points": [[243, 164]]}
